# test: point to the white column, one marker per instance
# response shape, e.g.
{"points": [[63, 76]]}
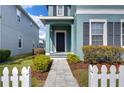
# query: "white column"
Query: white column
{"points": [[47, 47], [72, 38]]}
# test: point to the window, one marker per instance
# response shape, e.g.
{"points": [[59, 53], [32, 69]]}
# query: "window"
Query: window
{"points": [[60, 10], [98, 34], [122, 33], [18, 15], [20, 41]]}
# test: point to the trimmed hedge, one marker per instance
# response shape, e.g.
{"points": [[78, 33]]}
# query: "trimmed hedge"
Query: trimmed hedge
{"points": [[4, 55], [94, 54], [72, 58], [41, 62]]}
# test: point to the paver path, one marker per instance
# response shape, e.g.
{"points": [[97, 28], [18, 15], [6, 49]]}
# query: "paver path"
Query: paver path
{"points": [[60, 75]]}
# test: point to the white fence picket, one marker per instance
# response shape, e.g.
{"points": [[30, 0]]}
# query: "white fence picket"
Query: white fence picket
{"points": [[5, 77], [25, 77], [103, 76], [121, 76], [29, 76], [94, 81], [90, 75], [112, 76], [93, 76], [15, 78]]}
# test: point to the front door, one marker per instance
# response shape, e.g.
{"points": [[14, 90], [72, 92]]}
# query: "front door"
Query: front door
{"points": [[60, 41]]}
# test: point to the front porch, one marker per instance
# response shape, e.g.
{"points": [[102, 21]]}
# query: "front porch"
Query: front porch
{"points": [[60, 36]]}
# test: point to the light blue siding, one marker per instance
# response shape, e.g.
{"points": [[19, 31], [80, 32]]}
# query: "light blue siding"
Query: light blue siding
{"points": [[80, 18], [11, 29], [100, 7]]}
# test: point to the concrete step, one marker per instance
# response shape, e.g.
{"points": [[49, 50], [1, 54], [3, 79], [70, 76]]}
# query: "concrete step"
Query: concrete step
{"points": [[58, 55]]}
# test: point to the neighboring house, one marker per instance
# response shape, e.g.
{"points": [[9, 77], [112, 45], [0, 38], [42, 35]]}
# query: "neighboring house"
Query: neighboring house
{"points": [[18, 31], [68, 28]]}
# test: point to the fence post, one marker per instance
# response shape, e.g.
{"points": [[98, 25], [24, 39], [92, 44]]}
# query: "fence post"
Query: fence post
{"points": [[94, 78], [121, 76], [90, 75], [5, 77], [25, 77], [103, 76], [112, 76], [15, 78]]}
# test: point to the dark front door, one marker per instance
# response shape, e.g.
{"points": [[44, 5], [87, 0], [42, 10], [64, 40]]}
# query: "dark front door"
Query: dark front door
{"points": [[60, 42]]}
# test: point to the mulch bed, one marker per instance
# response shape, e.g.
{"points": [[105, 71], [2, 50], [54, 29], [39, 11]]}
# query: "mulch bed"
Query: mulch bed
{"points": [[80, 65], [84, 65], [40, 75]]}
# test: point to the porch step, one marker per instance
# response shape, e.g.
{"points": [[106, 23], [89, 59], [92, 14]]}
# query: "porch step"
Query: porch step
{"points": [[58, 55]]}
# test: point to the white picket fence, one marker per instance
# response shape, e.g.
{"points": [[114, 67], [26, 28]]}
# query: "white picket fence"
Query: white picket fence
{"points": [[103, 76], [25, 77]]}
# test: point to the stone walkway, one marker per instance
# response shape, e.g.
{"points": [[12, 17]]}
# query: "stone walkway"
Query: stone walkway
{"points": [[60, 75]]}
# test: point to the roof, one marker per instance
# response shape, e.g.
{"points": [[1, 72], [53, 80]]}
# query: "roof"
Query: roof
{"points": [[48, 18], [26, 14]]}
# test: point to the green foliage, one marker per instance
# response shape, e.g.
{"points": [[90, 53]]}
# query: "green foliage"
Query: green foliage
{"points": [[4, 54], [72, 58], [41, 62], [94, 54]]}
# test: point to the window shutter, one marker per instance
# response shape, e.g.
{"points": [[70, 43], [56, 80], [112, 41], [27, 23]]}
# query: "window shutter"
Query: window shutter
{"points": [[54, 10], [65, 10], [117, 34], [86, 33], [110, 33]]}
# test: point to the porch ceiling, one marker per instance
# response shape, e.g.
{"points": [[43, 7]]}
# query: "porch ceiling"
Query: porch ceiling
{"points": [[45, 19]]}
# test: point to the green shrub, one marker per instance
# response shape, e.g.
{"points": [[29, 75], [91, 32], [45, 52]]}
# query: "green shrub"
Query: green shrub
{"points": [[94, 54], [41, 62], [4, 55], [72, 58]]}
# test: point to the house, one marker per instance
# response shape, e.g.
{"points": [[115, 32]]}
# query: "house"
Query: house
{"points": [[69, 27], [18, 31]]}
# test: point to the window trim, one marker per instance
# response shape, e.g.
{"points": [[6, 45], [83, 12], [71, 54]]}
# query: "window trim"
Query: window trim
{"points": [[104, 31], [22, 41], [122, 21], [62, 11]]}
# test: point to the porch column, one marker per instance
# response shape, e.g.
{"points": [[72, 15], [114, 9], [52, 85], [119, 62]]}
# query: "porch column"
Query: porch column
{"points": [[51, 44], [72, 38], [47, 47]]}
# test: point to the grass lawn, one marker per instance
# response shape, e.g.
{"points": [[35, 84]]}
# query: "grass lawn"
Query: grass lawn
{"points": [[25, 60]]}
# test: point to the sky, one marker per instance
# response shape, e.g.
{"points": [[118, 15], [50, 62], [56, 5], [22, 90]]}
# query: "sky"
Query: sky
{"points": [[35, 11]]}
